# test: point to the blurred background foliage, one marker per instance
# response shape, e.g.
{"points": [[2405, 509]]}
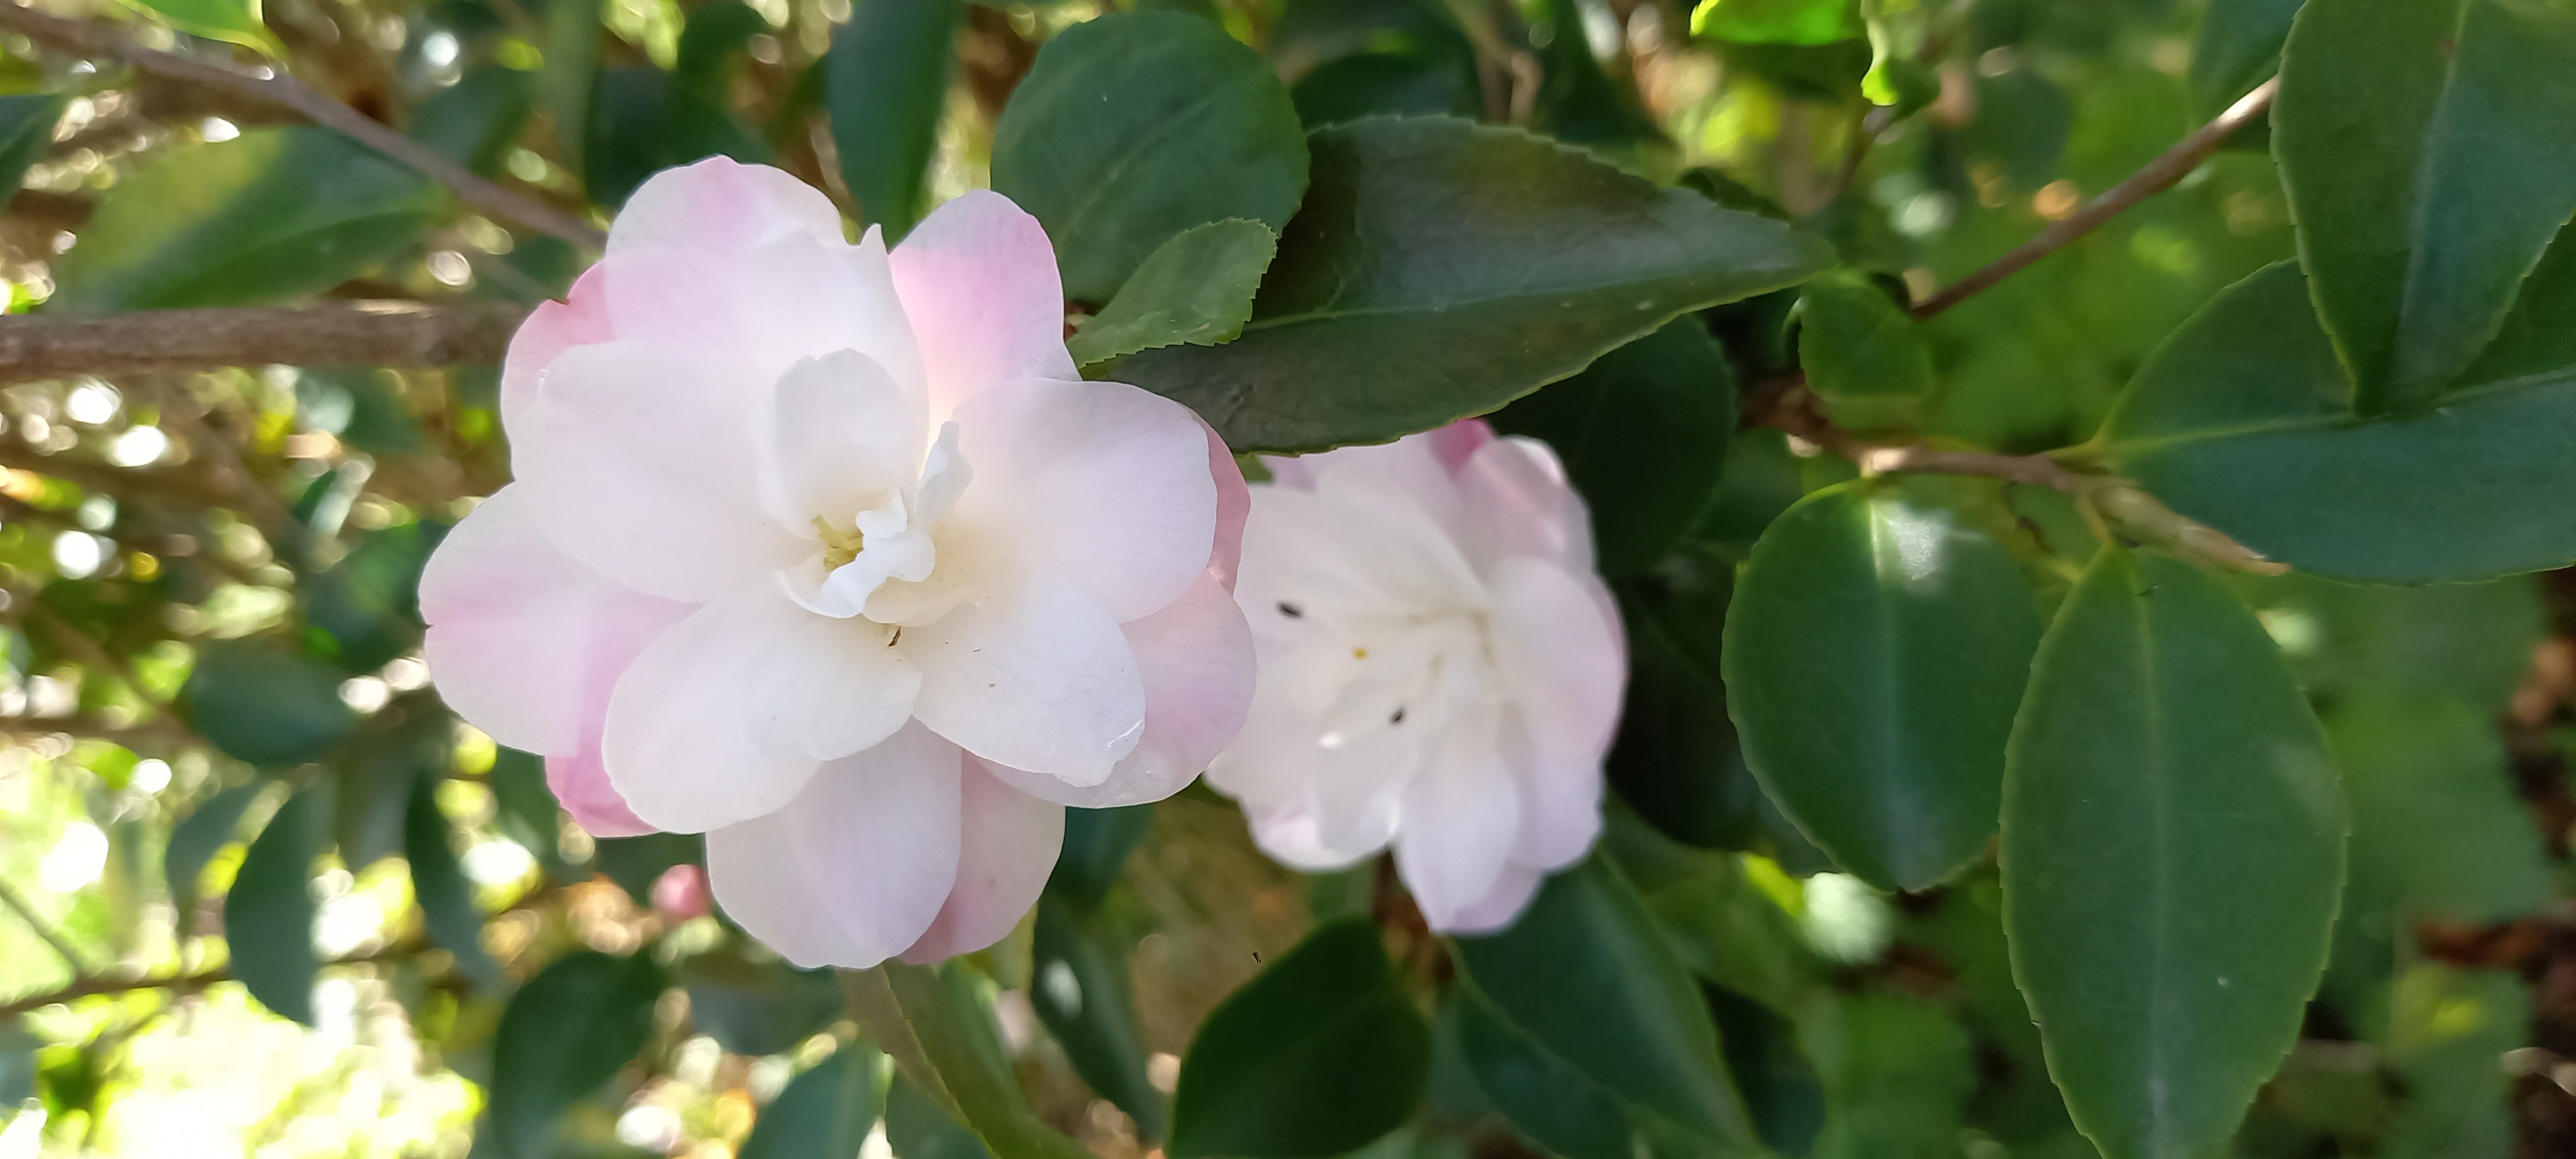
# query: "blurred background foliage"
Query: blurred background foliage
{"points": [[269, 897]]}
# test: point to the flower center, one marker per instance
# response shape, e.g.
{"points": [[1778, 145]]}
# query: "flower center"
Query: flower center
{"points": [[839, 547]]}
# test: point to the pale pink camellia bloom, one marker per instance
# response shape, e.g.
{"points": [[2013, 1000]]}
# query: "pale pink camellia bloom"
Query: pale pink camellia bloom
{"points": [[1441, 669], [829, 553]]}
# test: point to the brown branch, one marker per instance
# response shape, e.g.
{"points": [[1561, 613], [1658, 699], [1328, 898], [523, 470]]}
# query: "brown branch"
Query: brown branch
{"points": [[377, 333], [94, 985], [2158, 176], [98, 41], [1788, 405], [43, 929]]}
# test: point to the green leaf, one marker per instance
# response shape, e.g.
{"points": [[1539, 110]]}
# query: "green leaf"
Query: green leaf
{"points": [[196, 839], [1440, 269], [713, 35], [2239, 46], [1778, 21], [2449, 1027], [1578, 102], [2172, 855], [271, 215], [1319, 1053], [234, 21], [525, 810], [570, 1029], [571, 73], [1543, 1097], [917, 1128], [1131, 128], [266, 704], [268, 915], [1096, 845], [757, 1008], [446, 898], [1643, 433], [2024, 121], [1865, 360], [643, 121], [1082, 994], [2424, 145], [1676, 757], [936, 1027], [1875, 653], [824, 1113], [2436, 828], [2242, 421], [1897, 1074], [476, 120], [1196, 288], [1586, 975], [27, 125], [2470, 642], [884, 85]]}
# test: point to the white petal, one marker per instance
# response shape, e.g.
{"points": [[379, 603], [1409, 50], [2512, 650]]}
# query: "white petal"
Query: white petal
{"points": [[1037, 677], [518, 631], [857, 866], [1008, 848], [766, 307], [721, 203], [638, 462], [844, 437], [1499, 908], [1559, 654], [979, 283], [1461, 814], [1096, 482], [1515, 500], [1197, 664], [1311, 806], [1357, 554], [1560, 794], [725, 717]]}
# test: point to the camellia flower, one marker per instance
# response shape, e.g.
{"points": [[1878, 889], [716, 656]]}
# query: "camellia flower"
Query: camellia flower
{"points": [[1441, 668], [827, 552]]}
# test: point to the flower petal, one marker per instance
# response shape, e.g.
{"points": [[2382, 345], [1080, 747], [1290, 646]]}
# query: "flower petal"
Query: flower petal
{"points": [[1196, 661], [1037, 677], [858, 865], [843, 437], [1511, 894], [725, 717], [1008, 848], [978, 279], [1233, 507], [638, 462], [552, 328], [765, 307], [720, 203], [1460, 819], [1310, 806], [1559, 654], [1100, 483], [523, 641], [1515, 501], [580, 784]]}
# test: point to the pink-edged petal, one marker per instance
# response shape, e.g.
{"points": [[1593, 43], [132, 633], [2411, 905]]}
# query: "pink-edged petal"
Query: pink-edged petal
{"points": [[1511, 894], [720, 203], [978, 280], [1351, 553], [1560, 656], [1407, 471], [1515, 501], [522, 640], [1098, 483], [638, 461], [1038, 677], [1458, 442], [858, 865], [1460, 817], [552, 328], [1311, 806], [1008, 848], [1560, 793], [843, 437], [725, 716], [766, 307], [1233, 507], [580, 784], [1197, 664]]}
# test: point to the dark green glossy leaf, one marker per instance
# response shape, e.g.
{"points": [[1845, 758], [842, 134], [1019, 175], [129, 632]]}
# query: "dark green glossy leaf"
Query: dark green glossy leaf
{"points": [[635, 863], [446, 898], [1439, 269], [716, 32], [27, 124], [2424, 145], [1319, 1053], [643, 121], [368, 604], [2436, 828], [1096, 845], [1132, 128], [268, 915], [760, 1008], [2242, 421], [917, 1128], [1722, 925], [1875, 653], [196, 839], [564, 89], [1586, 975], [525, 810], [824, 1113], [1196, 289], [1865, 360], [1643, 433], [1082, 994], [936, 1026], [884, 84], [2173, 851], [1542, 1097], [1433, 79], [1897, 1073], [476, 120], [566, 1032], [1581, 103], [2239, 46], [2024, 121], [262, 218], [265, 704], [2468, 642]]}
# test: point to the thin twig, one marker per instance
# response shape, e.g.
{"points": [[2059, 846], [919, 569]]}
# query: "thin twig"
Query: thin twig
{"points": [[96, 984], [2158, 176], [1788, 405], [366, 333], [83, 38], [90, 652], [62, 947]]}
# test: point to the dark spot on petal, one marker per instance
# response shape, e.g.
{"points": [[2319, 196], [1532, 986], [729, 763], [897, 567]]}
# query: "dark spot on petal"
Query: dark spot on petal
{"points": [[1291, 611], [1398, 718]]}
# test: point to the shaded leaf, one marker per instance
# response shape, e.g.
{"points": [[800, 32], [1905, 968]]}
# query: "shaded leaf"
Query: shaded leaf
{"points": [[884, 84], [1864, 359], [234, 21], [27, 123], [568, 1030], [2238, 47], [2436, 828], [824, 1113], [1196, 288], [265, 704], [268, 915], [446, 898], [1081, 991], [476, 121], [1097, 843], [196, 839], [937, 1028]]}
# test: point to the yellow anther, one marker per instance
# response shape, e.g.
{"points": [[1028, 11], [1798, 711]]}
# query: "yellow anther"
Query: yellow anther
{"points": [[839, 547]]}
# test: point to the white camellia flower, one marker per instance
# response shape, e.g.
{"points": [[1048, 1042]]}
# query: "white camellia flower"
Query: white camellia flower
{"points": [[829, 553], [1441, 669]]}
